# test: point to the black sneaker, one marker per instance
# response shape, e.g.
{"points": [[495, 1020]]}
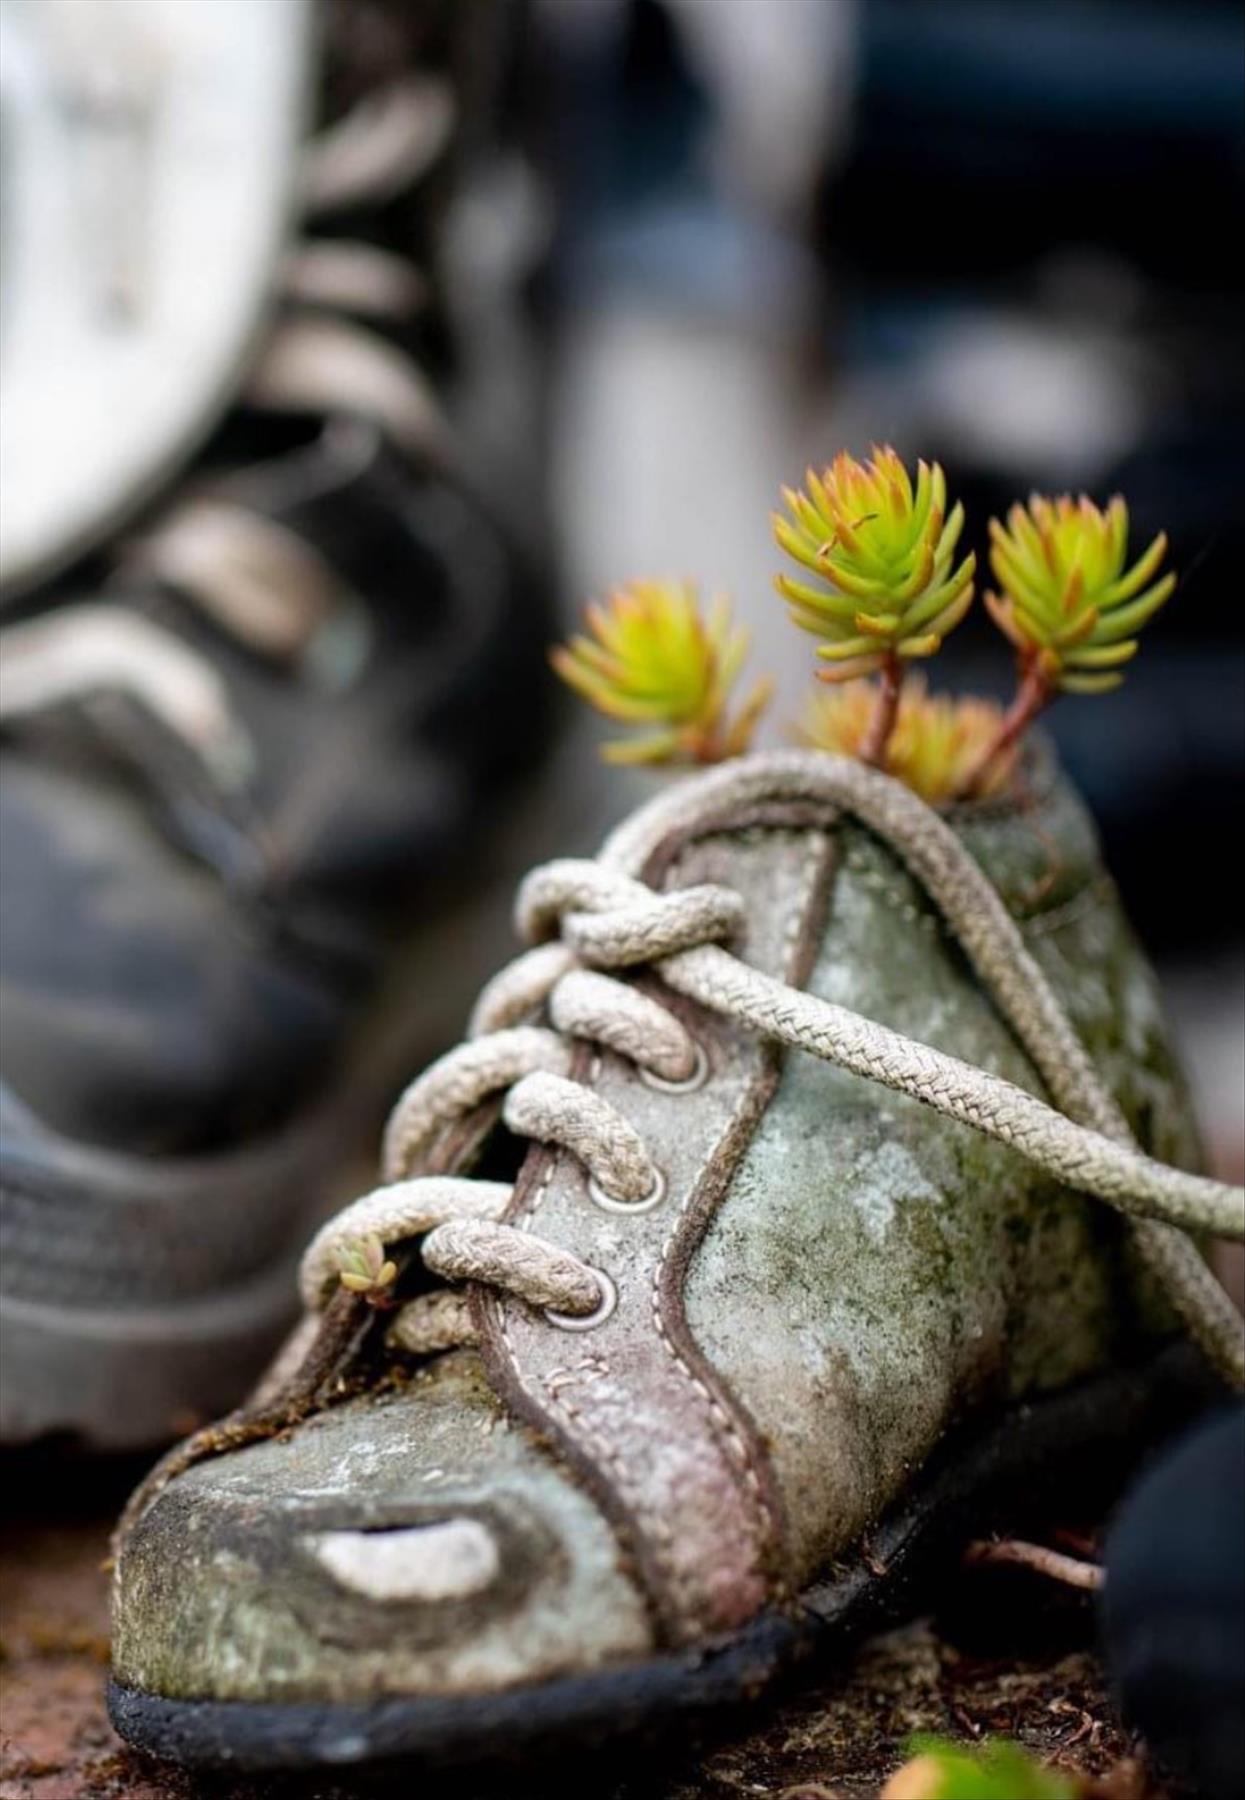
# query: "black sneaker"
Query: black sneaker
{"points": [[253, 735], [1173, 1607]]}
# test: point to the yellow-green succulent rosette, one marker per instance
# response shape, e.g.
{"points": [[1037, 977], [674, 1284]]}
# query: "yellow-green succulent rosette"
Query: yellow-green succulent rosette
{"points": [[883, 550], [651, 656], [1068, 603]]}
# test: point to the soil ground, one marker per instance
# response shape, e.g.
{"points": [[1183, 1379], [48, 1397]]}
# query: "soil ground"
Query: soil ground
{"points": [[841, 1736]]}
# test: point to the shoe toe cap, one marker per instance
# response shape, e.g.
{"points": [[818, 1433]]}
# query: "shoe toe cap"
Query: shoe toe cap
{"points": [[410, 1543]]}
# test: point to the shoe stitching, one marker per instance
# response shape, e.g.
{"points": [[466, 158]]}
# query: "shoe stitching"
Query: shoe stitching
{"points": [[602, 1448], [724, 1427], [1038, 924]]}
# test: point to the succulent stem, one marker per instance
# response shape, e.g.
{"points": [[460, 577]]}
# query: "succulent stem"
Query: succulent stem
{"points": [[885, 713], [1033, 695]]}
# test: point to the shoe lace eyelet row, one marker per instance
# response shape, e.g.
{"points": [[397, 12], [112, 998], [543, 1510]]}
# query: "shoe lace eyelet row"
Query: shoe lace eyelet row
{"points": [[462, 1230], [609, 923]]}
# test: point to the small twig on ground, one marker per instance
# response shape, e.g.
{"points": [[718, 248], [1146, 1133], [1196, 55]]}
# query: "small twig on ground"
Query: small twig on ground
{"points": [[1081, 1543], [1071, 1570]]}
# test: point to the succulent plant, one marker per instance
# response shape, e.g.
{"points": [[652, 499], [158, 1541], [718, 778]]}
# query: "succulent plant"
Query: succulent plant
{"points": [[653, 657], [1068, 603], [937, 738], [884, 550], [365, 1269], [882, 590]]}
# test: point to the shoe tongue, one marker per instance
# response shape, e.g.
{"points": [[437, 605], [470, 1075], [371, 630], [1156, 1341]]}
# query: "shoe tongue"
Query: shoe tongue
{"points": [[632, 1403]]}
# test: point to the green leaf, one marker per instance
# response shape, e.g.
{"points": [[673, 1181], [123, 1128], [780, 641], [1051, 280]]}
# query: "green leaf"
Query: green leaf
{"points": [[994, 1770]]}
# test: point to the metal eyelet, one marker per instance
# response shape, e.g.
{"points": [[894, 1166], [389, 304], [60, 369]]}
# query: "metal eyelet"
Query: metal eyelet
{"points": [[614, 1203], [589, 1321], [689, 1083]]}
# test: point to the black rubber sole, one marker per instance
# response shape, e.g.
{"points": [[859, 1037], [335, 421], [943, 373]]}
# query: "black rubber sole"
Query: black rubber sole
{"points": [[1046, 1458]]}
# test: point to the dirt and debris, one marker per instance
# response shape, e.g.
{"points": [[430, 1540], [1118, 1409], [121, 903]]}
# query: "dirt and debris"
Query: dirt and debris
{"points": [[844, 1736], [838, 1738]]}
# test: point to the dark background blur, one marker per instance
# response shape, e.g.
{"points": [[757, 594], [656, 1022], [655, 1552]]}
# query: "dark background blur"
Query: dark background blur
{"points": [[1000, 233]]}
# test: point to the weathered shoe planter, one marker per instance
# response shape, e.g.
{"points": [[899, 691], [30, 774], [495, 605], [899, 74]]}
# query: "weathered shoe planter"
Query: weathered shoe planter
{"points": [[830, 1325]]}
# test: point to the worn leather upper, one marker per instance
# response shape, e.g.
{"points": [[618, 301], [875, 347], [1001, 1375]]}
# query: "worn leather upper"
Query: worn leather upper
{"points": [[831, 1278]]}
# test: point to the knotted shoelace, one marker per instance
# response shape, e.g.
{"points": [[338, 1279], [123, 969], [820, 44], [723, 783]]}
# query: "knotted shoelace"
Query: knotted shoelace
{"points": [[592, 920]]}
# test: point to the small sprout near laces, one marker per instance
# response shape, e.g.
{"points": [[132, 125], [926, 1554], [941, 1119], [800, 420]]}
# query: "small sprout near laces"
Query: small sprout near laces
{"points": [[936, 740], [365, 1270]]}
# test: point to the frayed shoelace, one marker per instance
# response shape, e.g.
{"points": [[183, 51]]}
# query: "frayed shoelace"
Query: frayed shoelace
{"points": [[598, 920]]}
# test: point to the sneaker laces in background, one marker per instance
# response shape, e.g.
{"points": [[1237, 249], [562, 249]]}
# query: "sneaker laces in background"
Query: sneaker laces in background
{"points": [[258, 580]]}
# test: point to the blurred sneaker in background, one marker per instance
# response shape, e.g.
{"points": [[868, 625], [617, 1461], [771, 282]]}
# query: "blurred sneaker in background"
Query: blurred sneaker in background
{"points": [[257, 712], [1173, 1607]]}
